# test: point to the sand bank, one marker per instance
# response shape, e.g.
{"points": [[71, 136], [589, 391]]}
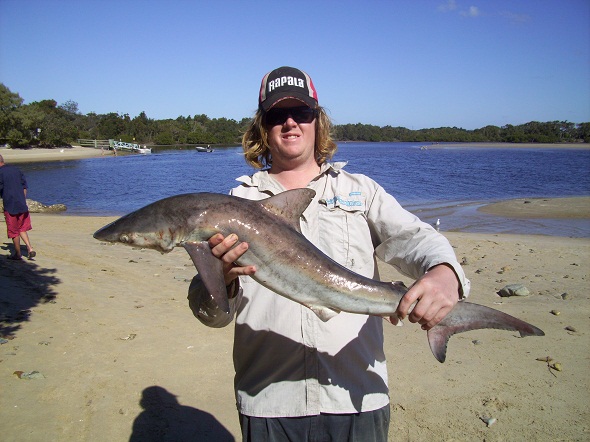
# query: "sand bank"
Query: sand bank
{"points": [[556, 208], [507, 145], [108, 328], [57, 154]]}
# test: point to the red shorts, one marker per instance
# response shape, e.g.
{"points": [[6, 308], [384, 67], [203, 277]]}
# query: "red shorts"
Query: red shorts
{"points": [[15, 224]]}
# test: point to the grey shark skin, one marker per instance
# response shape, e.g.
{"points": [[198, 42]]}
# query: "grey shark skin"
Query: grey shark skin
{"points": [[286, 262]]}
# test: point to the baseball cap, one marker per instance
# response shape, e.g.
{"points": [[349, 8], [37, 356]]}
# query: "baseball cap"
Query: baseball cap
{"points": [[286, 82]]}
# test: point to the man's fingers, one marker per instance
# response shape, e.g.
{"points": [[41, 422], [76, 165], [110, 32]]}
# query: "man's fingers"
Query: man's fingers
{"points": [[215, 240], [242, 271], [406, 302], [220, 248]]}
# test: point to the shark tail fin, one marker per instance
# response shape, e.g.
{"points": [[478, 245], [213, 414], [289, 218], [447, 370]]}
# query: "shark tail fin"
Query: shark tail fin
{"points": [[466, 316]]}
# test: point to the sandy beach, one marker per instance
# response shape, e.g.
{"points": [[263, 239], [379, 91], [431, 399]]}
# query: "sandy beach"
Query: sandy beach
{"points": [[109, 330], [113, 350], [57, 154]]}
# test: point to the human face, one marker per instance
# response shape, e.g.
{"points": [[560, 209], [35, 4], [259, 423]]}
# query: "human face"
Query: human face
{"points": [[291, 144]]}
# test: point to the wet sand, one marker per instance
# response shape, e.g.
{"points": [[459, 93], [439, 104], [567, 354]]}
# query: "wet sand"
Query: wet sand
{"points": [[554, 208]]}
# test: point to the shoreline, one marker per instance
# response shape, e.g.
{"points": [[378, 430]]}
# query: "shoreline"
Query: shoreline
{"points": [[541, 208], [78, 152], [491, 145], [58, 154]]}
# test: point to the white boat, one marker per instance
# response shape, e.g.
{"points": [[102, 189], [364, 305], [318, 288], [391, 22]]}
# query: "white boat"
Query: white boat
{"points": [[133, 147], [143, 150], [204, 149]]}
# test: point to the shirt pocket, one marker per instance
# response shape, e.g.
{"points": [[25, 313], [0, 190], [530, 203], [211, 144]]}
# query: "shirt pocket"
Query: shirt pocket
{"points": [[344, 233]]}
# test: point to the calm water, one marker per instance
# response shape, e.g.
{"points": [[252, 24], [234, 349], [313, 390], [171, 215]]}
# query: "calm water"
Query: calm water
{"points": [[447, 183]]}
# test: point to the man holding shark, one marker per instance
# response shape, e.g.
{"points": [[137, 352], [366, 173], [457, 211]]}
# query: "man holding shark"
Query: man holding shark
{"points": [[299, 377]]}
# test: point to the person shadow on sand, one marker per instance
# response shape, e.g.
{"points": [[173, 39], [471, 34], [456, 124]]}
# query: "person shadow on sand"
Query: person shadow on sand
{"points": [[164, 419]]}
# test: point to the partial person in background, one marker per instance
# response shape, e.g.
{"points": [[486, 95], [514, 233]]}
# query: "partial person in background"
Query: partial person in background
{"points": [[13, 191], [298, 378]]}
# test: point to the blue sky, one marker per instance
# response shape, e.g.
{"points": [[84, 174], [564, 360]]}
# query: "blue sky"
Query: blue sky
{"points": [[416, 64]]}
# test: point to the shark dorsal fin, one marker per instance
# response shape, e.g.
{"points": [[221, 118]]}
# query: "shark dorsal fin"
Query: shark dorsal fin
{"points": [[289, 205]]}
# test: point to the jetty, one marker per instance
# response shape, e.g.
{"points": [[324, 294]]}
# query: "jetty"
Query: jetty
{"points": [[115, 145]]}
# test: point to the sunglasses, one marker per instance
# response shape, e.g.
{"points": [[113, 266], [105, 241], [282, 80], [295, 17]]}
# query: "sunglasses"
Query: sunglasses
{"points": [[278, 116]]}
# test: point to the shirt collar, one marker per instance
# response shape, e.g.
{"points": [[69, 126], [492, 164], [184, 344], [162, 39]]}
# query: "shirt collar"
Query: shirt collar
{"points": [[265, 183]]}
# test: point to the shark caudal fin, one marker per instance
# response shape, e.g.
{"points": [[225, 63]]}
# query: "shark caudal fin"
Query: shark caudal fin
{"points": [[466, 316]]}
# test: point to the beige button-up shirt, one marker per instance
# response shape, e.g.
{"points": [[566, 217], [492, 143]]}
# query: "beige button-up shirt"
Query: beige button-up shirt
{"points": [[287, 361]]}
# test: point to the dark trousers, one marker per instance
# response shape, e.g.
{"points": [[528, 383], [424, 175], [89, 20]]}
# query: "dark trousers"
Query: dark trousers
{"points": [[369, 426]]}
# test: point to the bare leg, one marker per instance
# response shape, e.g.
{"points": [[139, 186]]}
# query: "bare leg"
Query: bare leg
{"points": [[25, 238], [16, 242]]}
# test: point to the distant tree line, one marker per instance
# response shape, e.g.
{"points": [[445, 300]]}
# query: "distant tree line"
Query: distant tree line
{"points": [[533, 132], [47, 124]]}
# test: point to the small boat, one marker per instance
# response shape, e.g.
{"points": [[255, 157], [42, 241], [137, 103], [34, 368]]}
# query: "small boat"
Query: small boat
{"points": [[204, 149], [143, 150]]}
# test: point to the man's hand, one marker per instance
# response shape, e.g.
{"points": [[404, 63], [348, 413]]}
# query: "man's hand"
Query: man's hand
{"points": [[223, 248], [435, 295]]}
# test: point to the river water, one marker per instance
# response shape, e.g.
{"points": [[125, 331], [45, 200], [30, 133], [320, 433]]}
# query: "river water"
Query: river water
{"points": [[449, 183]]}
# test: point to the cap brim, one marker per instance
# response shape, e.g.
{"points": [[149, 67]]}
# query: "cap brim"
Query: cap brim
{"points": [[307, 100]]}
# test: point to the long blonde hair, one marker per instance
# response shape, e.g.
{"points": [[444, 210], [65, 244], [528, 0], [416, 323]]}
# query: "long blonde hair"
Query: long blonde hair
{"points": [[257, 150]]}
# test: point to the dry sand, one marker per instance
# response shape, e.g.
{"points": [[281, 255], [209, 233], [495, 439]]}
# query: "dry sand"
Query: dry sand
{"points": [[109, 330], [57, 154], [108, 324]]}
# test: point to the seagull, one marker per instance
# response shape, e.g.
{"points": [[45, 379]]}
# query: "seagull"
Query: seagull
{"points": [[437, 224]]}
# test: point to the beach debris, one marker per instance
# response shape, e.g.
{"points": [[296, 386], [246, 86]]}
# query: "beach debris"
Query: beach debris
{"points": [[464, 261], [397, 407], [514, 290], [555, 312], [572, 329], [556, 366], [31, 375], [565, 296], [129, 337], [3, 341], [504, 269], [489, 421], [476, 342], [44, 343], [551, 366]]}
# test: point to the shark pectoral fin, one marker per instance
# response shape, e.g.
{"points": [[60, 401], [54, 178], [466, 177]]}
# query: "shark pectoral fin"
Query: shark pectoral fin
{"points": [[324, 313], [210, 269]]}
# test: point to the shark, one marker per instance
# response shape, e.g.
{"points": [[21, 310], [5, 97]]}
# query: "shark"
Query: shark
{"points": [[286, 262]]}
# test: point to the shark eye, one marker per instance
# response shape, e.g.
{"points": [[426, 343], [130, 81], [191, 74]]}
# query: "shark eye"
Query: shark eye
{"points": [[124, 238]]}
